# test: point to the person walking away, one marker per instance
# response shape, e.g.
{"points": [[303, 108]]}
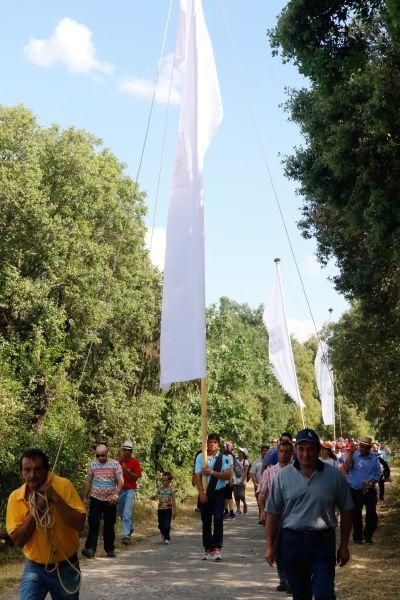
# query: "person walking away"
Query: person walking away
{"points": [[255, 474], [51, 559], [131, 471], [166, 507], [363, 473], [302, 501], [240, 469], [285, 451], [104, 482], [229, 512], [212, 498]]}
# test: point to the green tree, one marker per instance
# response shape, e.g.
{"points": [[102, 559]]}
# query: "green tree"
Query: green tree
{"points": [[79, 298], [349, 165]]}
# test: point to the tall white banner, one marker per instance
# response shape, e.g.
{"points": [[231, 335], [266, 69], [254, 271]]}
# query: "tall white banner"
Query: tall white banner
{"points": [[324, 377], [280, 347], [183, 328]]}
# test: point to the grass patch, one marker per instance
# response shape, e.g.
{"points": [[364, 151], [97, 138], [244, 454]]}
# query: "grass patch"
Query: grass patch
{"points": [[10, 566], [373, 571]]}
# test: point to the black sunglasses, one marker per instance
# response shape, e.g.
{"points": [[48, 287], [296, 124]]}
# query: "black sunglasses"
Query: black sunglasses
{"points": [[101, 455]]}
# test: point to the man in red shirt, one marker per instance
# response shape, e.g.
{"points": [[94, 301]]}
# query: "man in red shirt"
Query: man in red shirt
{"points": [[131, 471]]}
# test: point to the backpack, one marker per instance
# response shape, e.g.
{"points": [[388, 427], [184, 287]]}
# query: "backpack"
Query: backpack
{"points": [[213, 480], [237, 468]]}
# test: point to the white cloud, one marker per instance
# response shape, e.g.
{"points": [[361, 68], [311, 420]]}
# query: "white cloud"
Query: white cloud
{"points": [[157, 252], [144, 88], [70, 46], [301, 330]]}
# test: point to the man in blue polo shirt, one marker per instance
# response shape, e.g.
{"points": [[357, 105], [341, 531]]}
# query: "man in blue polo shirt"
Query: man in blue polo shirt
{"points": [[212, 499], [363, 473], [302, 502]]}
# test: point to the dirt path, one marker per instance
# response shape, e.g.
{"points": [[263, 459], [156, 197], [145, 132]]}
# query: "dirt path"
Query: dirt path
{"points": [[151, 570]]}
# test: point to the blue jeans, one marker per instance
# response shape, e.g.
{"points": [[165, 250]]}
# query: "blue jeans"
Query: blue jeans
{"points": [[309, 560], [36, 582], [124, 507], [213, 508]]}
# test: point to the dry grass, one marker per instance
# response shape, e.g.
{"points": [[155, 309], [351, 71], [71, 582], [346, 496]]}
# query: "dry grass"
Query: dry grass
{"points": [[373, 572], [10, 566]]}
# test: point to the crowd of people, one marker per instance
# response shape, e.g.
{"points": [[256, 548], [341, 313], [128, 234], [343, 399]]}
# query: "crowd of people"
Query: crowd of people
{"points": [[303, 488], [300, 485]]}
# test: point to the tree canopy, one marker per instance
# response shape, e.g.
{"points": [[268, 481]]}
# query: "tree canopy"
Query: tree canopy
{"points": [[80, 310], [349, 165]]}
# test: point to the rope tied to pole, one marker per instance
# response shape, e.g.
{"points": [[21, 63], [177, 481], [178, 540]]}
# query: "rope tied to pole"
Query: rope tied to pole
{"points": [[45, 520]]}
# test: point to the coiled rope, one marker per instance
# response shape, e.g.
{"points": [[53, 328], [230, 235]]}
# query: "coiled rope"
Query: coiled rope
{"points": [[45, 521]]}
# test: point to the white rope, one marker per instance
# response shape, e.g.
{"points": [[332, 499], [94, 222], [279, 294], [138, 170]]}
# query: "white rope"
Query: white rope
{"points": [[264, 156], [155, 89], [45, 521], [108, 287], [162, 152]]}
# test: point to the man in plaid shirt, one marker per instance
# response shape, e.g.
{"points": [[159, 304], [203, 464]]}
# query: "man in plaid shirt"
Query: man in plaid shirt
{"points": [[285, 452]]}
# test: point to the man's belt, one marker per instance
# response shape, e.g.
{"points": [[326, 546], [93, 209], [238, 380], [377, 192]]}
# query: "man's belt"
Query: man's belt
{"points": [[51, 566], [310, 531]]}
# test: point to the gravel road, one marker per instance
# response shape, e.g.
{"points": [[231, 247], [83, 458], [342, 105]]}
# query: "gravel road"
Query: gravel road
{"points": [[151, 570]]}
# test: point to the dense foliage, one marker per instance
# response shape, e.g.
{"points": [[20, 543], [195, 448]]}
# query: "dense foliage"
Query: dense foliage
{"points": [[79, 323], [348, 171]]}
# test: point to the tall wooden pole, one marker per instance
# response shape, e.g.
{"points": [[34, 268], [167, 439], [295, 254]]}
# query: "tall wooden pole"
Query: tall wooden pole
{"points": [[330, 310], [204, 427]]}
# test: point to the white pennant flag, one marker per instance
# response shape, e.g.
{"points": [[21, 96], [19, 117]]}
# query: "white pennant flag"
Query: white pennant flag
{"points": [[183, 328], [324, 376], [280, 347]]}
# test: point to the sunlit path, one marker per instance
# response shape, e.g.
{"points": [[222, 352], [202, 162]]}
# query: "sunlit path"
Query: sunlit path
{"points": [[152, 570]]}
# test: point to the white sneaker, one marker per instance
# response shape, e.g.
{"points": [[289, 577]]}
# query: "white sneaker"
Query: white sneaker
{"points": [[207, 555], [216, 555], [167, 542]]}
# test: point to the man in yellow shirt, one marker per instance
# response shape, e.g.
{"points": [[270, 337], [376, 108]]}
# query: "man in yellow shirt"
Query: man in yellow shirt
{"points": [[44, 517]]}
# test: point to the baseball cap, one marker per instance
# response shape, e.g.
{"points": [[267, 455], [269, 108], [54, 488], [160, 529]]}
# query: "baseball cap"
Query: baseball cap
{"points": [[307, 435], [127, 445], [244, 450]]}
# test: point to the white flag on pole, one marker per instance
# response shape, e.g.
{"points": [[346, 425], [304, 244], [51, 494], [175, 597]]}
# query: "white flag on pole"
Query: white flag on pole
{"points": [[280, 347], [324, 376], [183, 329]]}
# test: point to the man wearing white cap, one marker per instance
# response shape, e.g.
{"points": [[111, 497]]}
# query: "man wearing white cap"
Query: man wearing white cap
{"points": [[131, 471]]}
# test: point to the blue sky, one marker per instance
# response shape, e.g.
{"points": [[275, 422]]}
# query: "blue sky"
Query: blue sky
{"points": [[92, 65]]}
